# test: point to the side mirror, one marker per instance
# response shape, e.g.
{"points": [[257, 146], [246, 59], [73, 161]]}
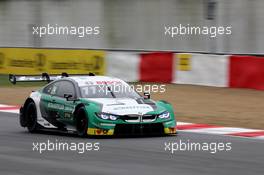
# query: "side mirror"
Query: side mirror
{"points": [[146, 95], [68, 97]]}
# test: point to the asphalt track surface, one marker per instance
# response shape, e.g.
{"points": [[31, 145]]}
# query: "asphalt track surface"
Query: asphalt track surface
{"points": [[124, 156]]}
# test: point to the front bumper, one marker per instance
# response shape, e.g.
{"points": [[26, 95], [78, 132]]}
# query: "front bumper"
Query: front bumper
{"points": [[134, 129], [98, 126], [98, 131]]}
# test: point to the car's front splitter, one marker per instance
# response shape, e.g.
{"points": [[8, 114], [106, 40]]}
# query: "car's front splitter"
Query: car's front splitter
{"points": [[109, 132]]}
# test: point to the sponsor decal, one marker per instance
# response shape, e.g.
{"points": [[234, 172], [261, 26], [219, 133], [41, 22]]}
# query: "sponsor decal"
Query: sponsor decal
{"points": [[109, 82], [184, 61], [40, 60], [69, 108], [56, 106], [2, 60], [96, 131], [170, 130], [131, 107], [67, 115], [36, 61]]}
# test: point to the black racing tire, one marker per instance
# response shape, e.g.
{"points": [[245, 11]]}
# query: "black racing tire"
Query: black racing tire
{"points": [[81, 122], [31, 117]]}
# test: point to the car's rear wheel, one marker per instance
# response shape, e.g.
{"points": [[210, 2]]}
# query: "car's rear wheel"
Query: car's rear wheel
{"points": [[31, 117], [81, 122]]}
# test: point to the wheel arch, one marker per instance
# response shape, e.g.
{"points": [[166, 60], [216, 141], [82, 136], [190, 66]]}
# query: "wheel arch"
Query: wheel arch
{"points": [[28, 100], [76, 110], [77, 118], [167, 106]]}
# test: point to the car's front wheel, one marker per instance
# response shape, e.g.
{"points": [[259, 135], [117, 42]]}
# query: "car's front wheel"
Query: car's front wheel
{"points": [[31, 116], [81, 122]]}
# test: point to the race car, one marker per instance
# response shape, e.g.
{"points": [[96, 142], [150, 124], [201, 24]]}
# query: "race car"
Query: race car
{"points": [[93, 105]]}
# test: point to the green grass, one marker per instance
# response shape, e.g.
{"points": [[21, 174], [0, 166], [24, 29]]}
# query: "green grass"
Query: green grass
{"points": [[4, 82]]}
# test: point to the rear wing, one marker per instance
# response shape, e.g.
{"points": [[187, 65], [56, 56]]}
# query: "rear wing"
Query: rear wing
{"points": [[41, 78]]}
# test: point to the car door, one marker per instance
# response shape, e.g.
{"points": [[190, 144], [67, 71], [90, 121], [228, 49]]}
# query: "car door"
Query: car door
{"points": [[48, 107], [64, 108]]}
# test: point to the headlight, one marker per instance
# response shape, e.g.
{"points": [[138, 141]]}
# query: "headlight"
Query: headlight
{"points": [[164, 115], [104, 116], [113, 117], [107, 116]]}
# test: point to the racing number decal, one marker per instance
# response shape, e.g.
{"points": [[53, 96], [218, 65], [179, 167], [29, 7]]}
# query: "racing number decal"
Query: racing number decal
{"points": [[184, 62]]}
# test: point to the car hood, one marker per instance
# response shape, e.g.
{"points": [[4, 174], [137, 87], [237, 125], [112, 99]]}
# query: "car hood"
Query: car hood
{"points": [[125, 106]]}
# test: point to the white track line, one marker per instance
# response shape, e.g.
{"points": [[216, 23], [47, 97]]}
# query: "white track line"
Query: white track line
{"points": [[221, 130], [16, 111], [260, 137]]}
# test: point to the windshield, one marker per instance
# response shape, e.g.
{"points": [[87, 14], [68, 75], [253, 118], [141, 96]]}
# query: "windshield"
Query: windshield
{"points": [[109, 91]]}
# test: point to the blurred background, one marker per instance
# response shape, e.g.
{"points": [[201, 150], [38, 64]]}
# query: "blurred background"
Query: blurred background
{"points": [[130, 28], [136, 24]]}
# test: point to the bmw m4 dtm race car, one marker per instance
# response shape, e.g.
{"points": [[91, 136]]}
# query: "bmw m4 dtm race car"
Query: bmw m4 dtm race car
{"points": [[92, 105]]}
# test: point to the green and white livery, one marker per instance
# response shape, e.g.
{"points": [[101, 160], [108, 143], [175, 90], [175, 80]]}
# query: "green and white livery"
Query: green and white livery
{"points": [[93, 105]]}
